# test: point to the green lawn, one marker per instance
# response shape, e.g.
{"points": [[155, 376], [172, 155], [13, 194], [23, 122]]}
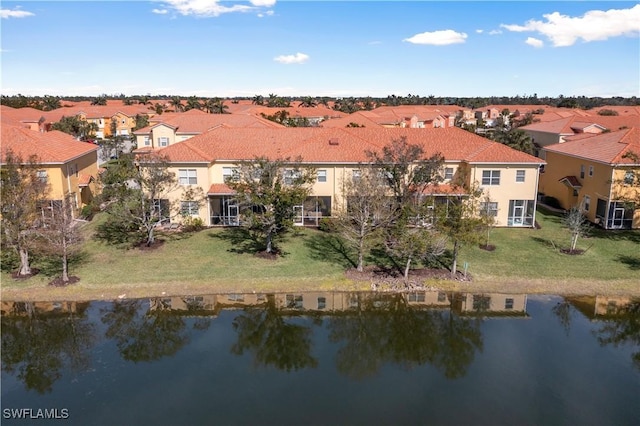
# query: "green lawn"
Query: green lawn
{"points": [[534, 253], [218, 260]]}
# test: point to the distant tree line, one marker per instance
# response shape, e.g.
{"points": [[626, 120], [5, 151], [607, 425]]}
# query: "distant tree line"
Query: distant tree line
{"points": [[347, 104]]}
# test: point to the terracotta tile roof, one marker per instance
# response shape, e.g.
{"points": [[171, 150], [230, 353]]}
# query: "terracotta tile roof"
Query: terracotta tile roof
{"points": [[571, 181], [196, 122], [338, 145], [609, 148], [573, 124], [50, 147], [357, 117], [220, 189], [84, 180]]}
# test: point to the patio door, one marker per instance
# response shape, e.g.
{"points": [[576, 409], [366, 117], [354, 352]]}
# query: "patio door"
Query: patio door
{"points": [[618, 218], [518, 212], [230, 213], [298, 215]]}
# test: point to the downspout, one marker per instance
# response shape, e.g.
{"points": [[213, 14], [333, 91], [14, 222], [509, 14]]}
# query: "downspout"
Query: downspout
{"points": [[606, 217], [535, 197], [73, 216]]}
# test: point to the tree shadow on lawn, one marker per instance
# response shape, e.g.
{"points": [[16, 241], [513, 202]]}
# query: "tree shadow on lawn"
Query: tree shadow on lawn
{"points": [[616, 235], [241, 239], [51, 266], [547, 243], [330, 248], [633, 262]]}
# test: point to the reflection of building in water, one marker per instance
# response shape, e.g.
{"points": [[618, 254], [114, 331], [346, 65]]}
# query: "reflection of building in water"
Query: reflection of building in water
{"points": [[490, 304], [593, 307], [43, 308], [189, 305]]}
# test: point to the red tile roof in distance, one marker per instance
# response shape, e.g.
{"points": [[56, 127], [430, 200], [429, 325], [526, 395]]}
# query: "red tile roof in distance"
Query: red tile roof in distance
{"points": [[51, 147]]}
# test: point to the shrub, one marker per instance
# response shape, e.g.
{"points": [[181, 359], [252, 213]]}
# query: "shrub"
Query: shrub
{"points": [[326, 224], [192, 224], [605, 111], [87, 212]]}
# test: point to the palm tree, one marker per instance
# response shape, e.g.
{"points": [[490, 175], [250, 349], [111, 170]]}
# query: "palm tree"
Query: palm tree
{"points": [[193, 103], [516, 139], [99, 100], [219, 107], [144, 100], [50, 103], [176, 102], [258, 100], [308, 102], [158, 108]]}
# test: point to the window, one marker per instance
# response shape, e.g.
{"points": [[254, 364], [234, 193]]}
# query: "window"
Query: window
{"points": [[489, 209], [491, 177], [290, 176], [587, 203], [481, 302], [164, 141], [581, 171], [629, 177], [442, 297], [294, 301], [448, 173], [234, 297], [42, 175], [590, 171], [520, 175], [322, 175], [230, 173], [356, 175], [147, 141], [322, 302], [416, 297], [187, 177], [508, 303], [189, 208]]}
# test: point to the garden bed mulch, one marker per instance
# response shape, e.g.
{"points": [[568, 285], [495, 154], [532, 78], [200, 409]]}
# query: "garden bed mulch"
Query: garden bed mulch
{"points": [[391, 280], [58, 282]]}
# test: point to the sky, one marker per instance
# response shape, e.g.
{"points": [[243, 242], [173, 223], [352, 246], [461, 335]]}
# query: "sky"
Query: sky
{"points": [[213, 48]]}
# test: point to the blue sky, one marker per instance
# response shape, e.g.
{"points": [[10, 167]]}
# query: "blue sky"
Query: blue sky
{"points": [[321, 48]]}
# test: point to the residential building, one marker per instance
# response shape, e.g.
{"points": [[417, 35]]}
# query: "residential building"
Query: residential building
{"points": [[68, 166], [596, 173], [170, 128], [507, 176]]}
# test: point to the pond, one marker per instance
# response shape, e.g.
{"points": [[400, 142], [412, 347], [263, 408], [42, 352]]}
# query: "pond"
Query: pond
{"points": [[324, 358]]}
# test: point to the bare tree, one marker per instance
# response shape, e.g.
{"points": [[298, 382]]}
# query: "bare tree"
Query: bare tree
{"points": [[61, 234], [577, 224], [368, 210], [24, 189]]}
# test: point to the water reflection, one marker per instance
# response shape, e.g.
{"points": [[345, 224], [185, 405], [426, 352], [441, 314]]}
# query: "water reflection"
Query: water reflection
{"points": [[40, 339], [368, 330]]}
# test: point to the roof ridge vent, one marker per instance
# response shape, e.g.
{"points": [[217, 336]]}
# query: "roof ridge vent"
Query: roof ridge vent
{"points": [[334, 141]]}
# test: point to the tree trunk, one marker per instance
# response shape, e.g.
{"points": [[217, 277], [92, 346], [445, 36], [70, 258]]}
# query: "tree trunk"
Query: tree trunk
{"points": [[574, 241], [406, 270], [25, 267], [454, 265], [360, 255], [269, 242], [150, 236], [65, 268]]}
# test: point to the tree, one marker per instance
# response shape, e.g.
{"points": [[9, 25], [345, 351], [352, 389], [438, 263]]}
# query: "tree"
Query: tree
{"points": [[577, 224], [61, 234], [193, 103], [268, 190], [516, 139], [459, 218], [135, 189], [50, 103], [75, 126], [368, 211], [24, 189], [488, 216], [142, 120], [216, 106], [258, 100], [308, 102], [99, 100], [158, 108], [176, 102], [144, 100]]}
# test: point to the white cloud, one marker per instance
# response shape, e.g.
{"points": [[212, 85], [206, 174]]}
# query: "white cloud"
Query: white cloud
{"points": [[160, 11], [479, 31], [534, 42], [213, 8], [495, 32], [16, 13], [298, 58], [594, 25], [438, 38], [267, 13], [263, 3]]}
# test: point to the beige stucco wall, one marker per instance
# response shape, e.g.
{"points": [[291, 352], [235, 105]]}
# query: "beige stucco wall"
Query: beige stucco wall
{"points": [[508, 189], [63, 179], [162, 131]]}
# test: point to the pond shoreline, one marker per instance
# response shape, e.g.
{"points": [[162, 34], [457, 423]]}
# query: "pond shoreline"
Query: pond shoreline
{"points": [[503, 285]]}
